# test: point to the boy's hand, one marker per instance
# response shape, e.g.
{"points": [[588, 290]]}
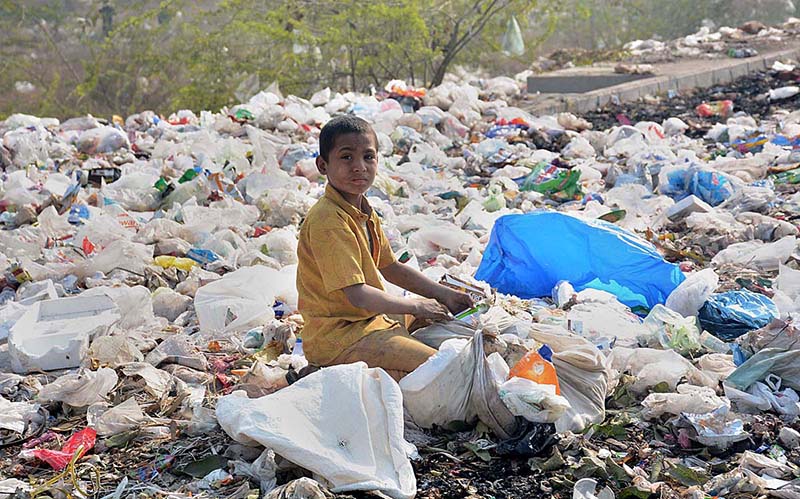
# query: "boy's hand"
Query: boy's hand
{"points": [[428, 308], [456, 301]]}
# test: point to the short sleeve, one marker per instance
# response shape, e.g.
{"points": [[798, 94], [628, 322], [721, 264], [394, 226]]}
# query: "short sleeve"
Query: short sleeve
{"points": [[386, 256], [338, 256]]}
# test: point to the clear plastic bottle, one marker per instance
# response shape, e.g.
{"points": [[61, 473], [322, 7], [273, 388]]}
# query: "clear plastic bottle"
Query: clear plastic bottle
{"points": [[537, 366], [297, 351]]}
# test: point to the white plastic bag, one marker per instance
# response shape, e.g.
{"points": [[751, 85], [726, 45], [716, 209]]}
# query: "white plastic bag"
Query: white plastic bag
{"points": [[536, 403], [134, 304], [243, 299], [512, 42], [102, 140], [280, 244], [586, 488], [457, 385], [120, 254], [783, 402], [13, 415], [716, 366], [123, 417], [689, 398], [81, 389], [439, 332], [745, 402], [788, 281], [112, 351], [262, 470], [757, 255], [446, 238], [690, 295], [302, 488], [651, 367], [220, 215], [671, 330], [156, 381], [178, 349], [169, 304]]}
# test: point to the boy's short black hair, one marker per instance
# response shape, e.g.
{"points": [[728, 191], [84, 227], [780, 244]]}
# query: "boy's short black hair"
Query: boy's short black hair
{"points": [[342, 125]]}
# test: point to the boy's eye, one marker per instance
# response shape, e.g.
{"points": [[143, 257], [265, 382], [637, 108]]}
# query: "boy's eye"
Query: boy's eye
{"points": [[346, 156], [369, 156]]}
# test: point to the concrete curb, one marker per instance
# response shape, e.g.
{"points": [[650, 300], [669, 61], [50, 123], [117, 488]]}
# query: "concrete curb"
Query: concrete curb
{"points": [[721, 72]]}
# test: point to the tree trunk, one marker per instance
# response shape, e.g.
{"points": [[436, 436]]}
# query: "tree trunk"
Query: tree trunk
{"points": [[352, 69], [441, 70]]}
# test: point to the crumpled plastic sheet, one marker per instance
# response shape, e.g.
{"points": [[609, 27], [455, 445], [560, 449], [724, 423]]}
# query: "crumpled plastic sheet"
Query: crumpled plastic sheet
{"points": [[732, 314], [78, 444], [528, 255]]}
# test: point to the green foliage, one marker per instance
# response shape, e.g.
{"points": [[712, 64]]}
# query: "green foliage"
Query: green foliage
{"points": [[171, 54], [184, 54], [303, 46]]}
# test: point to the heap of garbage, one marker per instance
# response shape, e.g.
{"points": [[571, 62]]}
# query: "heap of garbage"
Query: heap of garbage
{"points": [[709, 42], [634, 332]]}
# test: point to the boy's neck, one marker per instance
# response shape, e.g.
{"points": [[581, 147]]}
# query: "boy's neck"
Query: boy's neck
{"points": [[357, 200]]}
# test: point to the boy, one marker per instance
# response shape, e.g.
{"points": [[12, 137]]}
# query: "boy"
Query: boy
{"points": [[340, 252]]}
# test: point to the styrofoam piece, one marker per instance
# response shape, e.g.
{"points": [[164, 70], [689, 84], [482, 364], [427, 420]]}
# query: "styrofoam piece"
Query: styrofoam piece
{"points": [[55, 334], [687, 206]]}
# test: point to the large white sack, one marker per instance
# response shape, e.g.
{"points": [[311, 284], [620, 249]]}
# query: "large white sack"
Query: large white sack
{"points": [[582, 375], [455, 385], [343, 423]]}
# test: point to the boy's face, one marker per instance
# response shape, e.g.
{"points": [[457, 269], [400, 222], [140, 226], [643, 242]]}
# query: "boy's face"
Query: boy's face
{"points": [[351, 165]]}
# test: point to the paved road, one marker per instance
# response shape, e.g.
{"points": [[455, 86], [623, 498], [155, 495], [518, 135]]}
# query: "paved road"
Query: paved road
{"points": [[671, 76]]}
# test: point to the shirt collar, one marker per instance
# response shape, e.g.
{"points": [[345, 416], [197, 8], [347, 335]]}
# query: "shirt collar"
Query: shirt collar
{"points": [[334, 195]]}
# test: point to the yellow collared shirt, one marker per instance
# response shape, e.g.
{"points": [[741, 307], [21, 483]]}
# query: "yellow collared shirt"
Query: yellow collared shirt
{"points": [[333, 253]]}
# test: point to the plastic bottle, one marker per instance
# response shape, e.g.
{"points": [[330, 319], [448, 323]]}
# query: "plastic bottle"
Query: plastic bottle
{"points": [[783, 92], [297, 351], [713, 344], [537, 366], [189, 175]]}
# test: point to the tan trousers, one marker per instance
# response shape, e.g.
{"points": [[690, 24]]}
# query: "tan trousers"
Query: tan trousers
{"points": [[393, 350]]}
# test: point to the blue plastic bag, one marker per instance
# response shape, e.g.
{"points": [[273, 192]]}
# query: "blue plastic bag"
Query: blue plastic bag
{"points": [[710, 186], [528, 254], [730, 315]]}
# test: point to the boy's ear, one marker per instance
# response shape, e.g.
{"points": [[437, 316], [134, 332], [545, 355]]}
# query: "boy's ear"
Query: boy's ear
{"points": [[322, 165]]}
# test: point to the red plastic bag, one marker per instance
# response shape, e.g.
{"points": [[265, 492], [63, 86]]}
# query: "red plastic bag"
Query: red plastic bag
{"points": [[88, 247], [59, 459]]}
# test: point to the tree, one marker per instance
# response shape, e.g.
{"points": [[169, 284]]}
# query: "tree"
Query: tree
{"points": [[455, 25], [170, 54]]}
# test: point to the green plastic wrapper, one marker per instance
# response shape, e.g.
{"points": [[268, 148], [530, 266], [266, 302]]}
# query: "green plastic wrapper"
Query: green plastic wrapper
{"points": [[557, 183]]}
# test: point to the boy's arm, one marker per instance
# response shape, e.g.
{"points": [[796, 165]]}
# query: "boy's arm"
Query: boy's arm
{"points": [[415, 281], [378, 301]]}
